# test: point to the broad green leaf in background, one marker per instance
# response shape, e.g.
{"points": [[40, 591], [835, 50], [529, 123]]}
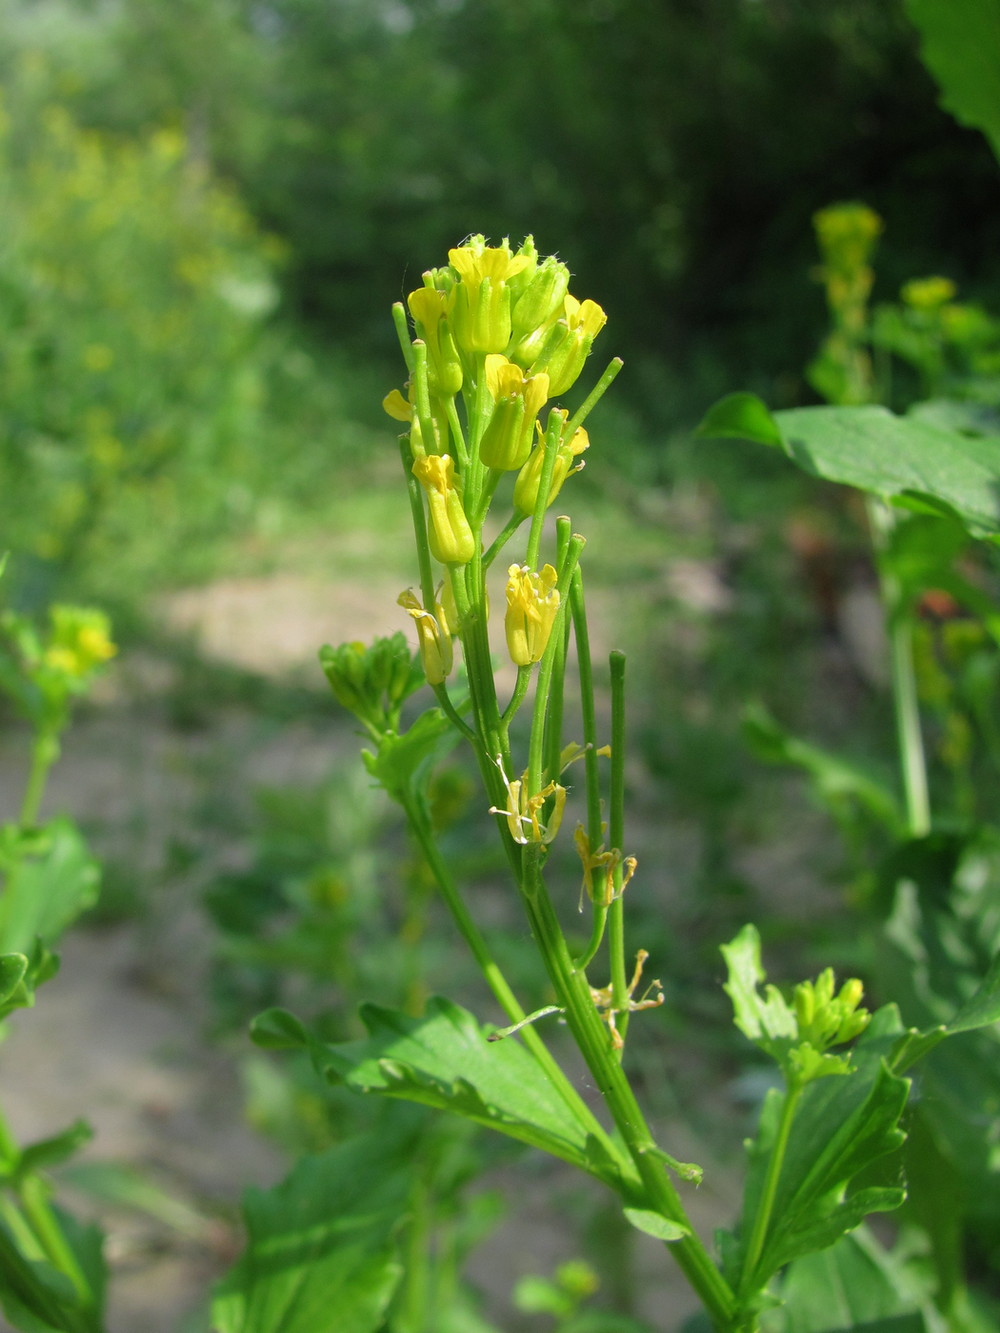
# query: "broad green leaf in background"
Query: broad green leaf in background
{"points": [[902, 459], [445, 1060], [320, 1254], [854, 1286], [961, 48], [47, 888], [37, 1299]]}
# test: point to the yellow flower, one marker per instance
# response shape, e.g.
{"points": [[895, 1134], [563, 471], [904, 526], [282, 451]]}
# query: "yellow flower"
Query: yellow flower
{"points": [[523, 810], [433, 637], [530, 476], [444, 369], [399, 408], [518, 398], [567, 344], [928, 293], [532, 604], [450, 537], [479, 303], [80, 641]]}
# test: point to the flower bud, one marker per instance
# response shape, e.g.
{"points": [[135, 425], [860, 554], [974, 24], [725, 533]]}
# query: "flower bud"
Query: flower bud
{"points": [[532, 604], [540, 299], [518, 398], [444, 369], [479, 304], [450, 537], [567, 344], [530, 476]]}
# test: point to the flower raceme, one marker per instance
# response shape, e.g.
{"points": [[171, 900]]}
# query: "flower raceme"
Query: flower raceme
{"points": [[532, 604]]}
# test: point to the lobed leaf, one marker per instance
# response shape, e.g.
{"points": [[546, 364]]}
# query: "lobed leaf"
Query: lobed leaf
{"points": [[444, 1059], [320, 1254]]}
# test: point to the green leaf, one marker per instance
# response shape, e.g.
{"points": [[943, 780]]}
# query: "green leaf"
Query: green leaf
{"points": [[403, 762], [842, 1126], [47, 888], [656, 1225], [983, 1008], [38, 1299], [741, 416], [22, 976], [961, 48], [854, 1285], [903, 459], [278, 1030], [58, 1148], [320, 1255], [125, 1187], [445, 1060]]}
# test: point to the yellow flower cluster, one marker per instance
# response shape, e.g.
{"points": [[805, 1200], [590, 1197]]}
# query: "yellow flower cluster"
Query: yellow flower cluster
{"points": [[501, 329], [79, 642]]}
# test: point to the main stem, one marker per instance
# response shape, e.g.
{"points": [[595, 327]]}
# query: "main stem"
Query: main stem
{"points": [[593, 1040], [899, 625]]}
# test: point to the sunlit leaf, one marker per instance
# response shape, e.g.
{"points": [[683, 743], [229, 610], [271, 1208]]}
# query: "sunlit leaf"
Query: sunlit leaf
{"points": [[320, 1256]]}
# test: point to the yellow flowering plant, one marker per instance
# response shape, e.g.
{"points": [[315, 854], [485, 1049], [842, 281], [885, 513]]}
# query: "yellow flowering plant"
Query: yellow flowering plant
{"points": [[495, 342]]}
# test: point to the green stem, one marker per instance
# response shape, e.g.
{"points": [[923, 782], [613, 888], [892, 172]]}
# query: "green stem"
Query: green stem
{"points": [[510, 527], [495, 978], [588, 714], [899, 626], [597, 392], [616, 836], [44, 753], [592, 1037], [762, 1217]]}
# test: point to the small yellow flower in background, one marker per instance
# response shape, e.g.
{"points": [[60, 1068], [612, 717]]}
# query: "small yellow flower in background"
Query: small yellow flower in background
{"points": [[444, 369], [928, 293], [98, 357], [518, 399], [80, 641], [479, 305], [532, 604], [846, 234], [433, 636], [449, 535], [530, 476]]}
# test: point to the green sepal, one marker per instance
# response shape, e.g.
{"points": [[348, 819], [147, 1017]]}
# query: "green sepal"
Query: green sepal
{"points": [[444, 1060]]}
